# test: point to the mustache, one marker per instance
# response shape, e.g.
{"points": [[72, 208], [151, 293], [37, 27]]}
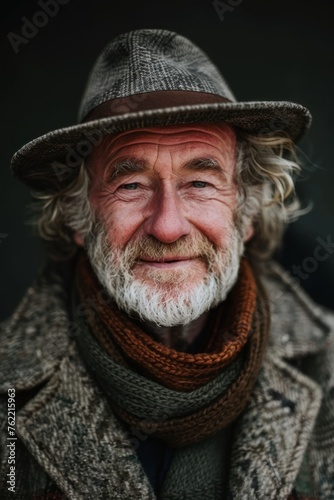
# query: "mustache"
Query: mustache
{"points": [[188, 246]]}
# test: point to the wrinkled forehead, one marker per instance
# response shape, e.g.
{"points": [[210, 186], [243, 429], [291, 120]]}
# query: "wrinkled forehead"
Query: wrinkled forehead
{"points": [[220, 137]]}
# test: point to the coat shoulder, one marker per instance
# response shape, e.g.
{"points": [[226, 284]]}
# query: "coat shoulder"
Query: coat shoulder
{"points": [[35, 338], [299, 326]]}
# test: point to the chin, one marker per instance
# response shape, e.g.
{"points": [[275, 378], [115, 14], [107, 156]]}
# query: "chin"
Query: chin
{"points": [[176, 277]]}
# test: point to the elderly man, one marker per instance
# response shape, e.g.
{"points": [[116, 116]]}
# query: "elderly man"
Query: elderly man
{"points": [[161, 353]]}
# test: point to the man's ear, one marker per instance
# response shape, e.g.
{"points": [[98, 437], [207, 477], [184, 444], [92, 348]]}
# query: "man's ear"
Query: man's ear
{"points": [[78, 239], [249, 232]]}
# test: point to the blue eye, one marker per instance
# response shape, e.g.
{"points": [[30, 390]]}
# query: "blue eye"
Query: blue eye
{"points": [[131, 186], [199, 184]]}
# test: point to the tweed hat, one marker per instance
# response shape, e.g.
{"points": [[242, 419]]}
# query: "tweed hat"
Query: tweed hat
{"points": [[148, 78]]}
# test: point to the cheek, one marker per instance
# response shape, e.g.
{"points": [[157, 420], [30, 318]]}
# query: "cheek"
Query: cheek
{"points": [[120, 220], [214, 222], [217, 231]]}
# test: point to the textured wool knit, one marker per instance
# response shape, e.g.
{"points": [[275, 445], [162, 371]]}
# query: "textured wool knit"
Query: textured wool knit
{"points": [[229, 366]]}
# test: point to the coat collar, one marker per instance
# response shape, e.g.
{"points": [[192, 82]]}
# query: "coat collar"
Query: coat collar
{"points": [[69, 428], [299, 327]]}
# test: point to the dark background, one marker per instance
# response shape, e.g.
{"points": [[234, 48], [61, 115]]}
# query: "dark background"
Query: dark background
{"points": [[267, 50]]}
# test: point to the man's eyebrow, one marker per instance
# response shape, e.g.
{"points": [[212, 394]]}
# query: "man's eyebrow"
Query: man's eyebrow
{"points": [[124, 167], [131, 165], [205, 164]]}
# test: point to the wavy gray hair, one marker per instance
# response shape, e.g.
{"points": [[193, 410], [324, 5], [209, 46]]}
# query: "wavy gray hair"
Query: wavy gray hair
{"points": [[265, 171]]}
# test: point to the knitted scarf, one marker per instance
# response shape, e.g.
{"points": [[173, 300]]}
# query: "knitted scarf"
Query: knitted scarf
{"points": [[179, 397]]}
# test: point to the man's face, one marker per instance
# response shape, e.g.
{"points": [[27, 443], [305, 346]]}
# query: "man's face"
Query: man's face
{"points": [[165, 200]]}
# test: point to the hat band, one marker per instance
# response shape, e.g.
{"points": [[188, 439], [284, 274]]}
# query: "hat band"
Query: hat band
{"points": [[151, 100]]}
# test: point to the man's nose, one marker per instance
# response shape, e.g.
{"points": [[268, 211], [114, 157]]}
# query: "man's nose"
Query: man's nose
{"points": [[167, 221]]}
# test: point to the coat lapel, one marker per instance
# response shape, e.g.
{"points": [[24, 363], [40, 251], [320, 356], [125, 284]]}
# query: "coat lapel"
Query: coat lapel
{"points": [[71, 431], [272, 435]]}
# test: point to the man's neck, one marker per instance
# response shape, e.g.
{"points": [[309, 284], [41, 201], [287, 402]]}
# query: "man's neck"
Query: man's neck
{"points": [[178, 337]]}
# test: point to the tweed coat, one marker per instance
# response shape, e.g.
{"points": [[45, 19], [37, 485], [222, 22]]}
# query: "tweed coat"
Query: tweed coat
{"points": [[70, 442]]}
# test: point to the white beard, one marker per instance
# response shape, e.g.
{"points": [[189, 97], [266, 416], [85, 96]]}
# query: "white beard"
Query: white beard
{"points": [[165, 301]]}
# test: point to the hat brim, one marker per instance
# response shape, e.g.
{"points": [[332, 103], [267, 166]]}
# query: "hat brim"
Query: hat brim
{"points": [[51, 161]]}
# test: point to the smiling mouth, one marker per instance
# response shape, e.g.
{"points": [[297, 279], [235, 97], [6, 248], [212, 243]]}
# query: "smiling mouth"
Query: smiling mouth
{"points": [[166, 261]]}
